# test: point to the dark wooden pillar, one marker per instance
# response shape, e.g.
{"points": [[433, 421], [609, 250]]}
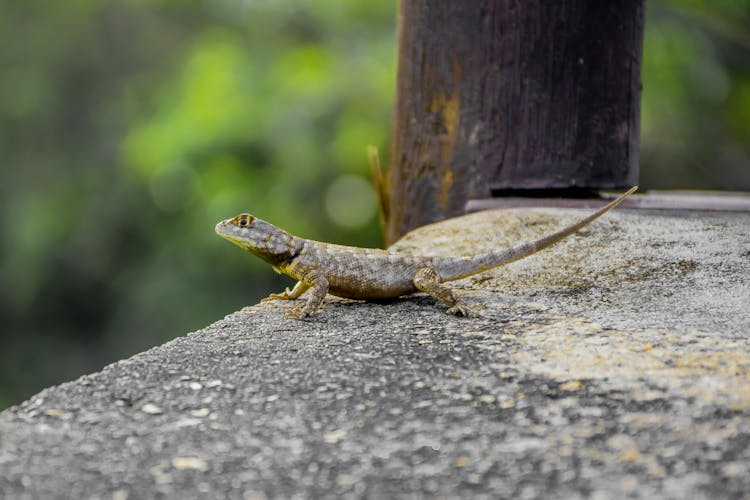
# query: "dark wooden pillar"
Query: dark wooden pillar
{"points": [[500, 95]]}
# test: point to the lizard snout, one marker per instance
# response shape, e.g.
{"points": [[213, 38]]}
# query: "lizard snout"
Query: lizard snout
{"points": [[220, 227]]}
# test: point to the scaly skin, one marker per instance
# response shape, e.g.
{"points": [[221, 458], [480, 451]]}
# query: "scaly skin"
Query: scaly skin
{"points": [[367, 273]]}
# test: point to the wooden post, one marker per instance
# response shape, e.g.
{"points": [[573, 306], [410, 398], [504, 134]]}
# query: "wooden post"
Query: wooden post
{"points": [[499, 95]]}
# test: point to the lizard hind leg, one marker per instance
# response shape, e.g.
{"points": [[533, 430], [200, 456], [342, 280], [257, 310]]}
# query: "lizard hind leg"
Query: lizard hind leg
{"points": [[428, 281]]}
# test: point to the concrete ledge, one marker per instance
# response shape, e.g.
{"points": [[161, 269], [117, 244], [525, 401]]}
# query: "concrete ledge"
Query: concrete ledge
{"points": [[617, 363]]}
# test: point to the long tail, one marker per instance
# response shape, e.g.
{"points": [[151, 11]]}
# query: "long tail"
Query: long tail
{"points": [[453, 269]]}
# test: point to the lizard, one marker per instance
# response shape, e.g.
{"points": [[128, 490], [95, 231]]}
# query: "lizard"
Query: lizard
{"points": [[370, 273]]}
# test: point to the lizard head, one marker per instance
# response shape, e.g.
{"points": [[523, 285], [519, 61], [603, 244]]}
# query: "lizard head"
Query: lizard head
{"points": [[259, 237]]}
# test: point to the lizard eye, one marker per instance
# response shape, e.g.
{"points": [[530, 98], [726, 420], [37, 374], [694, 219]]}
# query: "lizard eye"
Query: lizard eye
{"points": [[244, 220]]}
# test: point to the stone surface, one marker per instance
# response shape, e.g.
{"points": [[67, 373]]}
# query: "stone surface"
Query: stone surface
{"points": [[615, 364]]}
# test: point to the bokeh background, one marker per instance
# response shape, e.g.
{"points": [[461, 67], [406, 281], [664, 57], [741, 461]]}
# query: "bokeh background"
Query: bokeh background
{"points": [[128, 128]]}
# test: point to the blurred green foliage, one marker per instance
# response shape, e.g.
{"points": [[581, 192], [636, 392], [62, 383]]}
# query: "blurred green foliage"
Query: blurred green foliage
{"points": [[695, 118], [129, 128]]}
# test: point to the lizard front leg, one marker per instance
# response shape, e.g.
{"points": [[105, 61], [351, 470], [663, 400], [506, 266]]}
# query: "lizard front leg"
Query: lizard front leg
{"points": [[428, 281], [318, 285], [300, 288]]}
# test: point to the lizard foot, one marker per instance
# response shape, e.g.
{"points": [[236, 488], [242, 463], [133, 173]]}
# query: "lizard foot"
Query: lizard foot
{"points": [[288, 294], [461, 309], [297, 312], [278, 296]]}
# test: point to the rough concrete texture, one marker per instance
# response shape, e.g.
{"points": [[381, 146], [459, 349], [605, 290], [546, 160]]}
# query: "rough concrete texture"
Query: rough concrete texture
{"points": [[616, 364]]}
